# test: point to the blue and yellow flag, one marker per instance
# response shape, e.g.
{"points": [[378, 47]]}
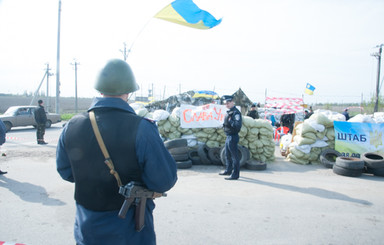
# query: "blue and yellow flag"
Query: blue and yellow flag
{"points": [[185, 12], [205, 94], [309, 89]]}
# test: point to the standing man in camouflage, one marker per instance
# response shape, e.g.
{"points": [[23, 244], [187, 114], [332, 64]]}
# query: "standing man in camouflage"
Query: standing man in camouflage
{"points": [[41, 120], [232, 125]]}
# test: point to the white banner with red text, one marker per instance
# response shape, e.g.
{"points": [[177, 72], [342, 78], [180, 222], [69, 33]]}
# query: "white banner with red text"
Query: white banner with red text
{"points": [[206, 116]]}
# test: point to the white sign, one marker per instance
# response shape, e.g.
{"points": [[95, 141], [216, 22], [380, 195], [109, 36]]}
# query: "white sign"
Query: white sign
{"points": [[206, 116]]}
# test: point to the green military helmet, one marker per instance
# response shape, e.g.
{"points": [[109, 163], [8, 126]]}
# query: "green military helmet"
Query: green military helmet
{"points": [[116, 78]]}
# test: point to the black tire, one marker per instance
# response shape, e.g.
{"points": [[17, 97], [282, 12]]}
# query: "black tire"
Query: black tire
{"points": [[352, 163], [202, 151], [184, 164], [194, 157], [376, 171], [246, 153], [347, 172], [179, 150], [255, 165], [214, 155], [240, 152], [373, 160], [169, 144], [328, 157], [48, 123], [8, 126], [180, 157]]}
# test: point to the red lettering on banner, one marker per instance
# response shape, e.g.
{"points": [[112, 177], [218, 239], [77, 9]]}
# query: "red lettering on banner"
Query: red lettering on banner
{"points": [[205, 107], [205, 114], [219, 115], [184, 116]]}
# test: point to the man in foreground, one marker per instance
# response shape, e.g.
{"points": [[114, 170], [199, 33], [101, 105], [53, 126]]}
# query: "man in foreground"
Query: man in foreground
{"points": [[137, 153], [232, 125]]}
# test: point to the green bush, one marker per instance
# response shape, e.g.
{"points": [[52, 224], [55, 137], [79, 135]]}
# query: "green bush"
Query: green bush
{"points": [[67, 116]]}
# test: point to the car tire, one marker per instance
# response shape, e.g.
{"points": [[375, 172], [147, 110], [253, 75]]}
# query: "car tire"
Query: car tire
{"points": [[179, 150], [376, 171], [184, 164], [253, 164], [169, 144], [202, 151], [194, 157], [246, 154], [214, 155], [8, 126], [373, 160], [240, 151], [48, 123], [180, 157], [347, 172], [328, 157], [352, 163]]}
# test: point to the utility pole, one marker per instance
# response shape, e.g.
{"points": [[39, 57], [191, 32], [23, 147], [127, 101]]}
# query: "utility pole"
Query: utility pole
{"points": [[58, 63], [47, 97], [125, 52], [378, 56], [75, 63]]}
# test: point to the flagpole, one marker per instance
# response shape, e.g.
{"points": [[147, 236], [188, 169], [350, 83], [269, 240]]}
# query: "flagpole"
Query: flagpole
{"points": [[137, 36]]}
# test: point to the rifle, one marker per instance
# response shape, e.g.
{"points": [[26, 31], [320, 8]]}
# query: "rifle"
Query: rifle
{"points": [[135, 193]]}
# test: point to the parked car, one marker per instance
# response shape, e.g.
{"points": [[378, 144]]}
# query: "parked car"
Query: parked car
{"points": [[19, 116]]}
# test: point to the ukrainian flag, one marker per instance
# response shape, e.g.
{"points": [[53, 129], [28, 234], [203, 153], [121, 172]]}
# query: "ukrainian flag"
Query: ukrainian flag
{"points": [[185, 12], [205, 94], [309, 89]]}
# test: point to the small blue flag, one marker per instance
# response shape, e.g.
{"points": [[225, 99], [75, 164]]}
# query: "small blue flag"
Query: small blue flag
{"points": [[309, 89]]}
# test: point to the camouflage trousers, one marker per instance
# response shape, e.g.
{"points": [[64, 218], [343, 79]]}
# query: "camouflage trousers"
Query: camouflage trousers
{"points": [[40, 132]]}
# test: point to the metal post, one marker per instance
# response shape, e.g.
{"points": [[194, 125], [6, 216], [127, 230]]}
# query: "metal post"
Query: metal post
{"points": [[75, 63], [58, 63], [378, 56], [125, 55], [76, 87], [47, 96]]}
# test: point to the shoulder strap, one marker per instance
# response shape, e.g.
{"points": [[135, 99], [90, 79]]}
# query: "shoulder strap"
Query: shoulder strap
{"points": [[103, 148]]}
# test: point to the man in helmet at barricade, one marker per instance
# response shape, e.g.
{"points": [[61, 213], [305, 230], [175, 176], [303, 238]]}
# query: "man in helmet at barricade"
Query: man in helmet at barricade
{"points": [[138, 154], [232, 125]]}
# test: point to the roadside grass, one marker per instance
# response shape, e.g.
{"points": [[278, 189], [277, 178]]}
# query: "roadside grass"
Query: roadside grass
{"points": [[67, 116]]}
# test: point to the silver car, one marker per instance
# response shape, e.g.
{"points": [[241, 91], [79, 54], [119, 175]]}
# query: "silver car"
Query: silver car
{"points": [[19, 116]]}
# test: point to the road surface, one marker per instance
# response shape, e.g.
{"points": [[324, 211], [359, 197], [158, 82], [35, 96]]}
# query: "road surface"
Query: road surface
{"points": [[285, 204]]}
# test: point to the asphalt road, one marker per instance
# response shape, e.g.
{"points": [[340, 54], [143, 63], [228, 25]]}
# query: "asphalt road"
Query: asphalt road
{"points": [[285, 204]]}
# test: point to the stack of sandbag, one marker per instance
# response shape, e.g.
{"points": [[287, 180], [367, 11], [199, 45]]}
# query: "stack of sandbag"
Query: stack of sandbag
{"points": [[258, 139], [256, 135], [312, 136], [377, 117]]}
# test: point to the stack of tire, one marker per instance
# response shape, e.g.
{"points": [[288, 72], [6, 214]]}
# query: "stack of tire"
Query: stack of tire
{"points": [[204, 155], [328, 157], [208, 155], [179, 150], [348, 166], [245, 159], [374, 163]]}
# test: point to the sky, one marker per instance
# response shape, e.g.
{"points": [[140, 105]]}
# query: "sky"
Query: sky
{"points": [[265, 47]]}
